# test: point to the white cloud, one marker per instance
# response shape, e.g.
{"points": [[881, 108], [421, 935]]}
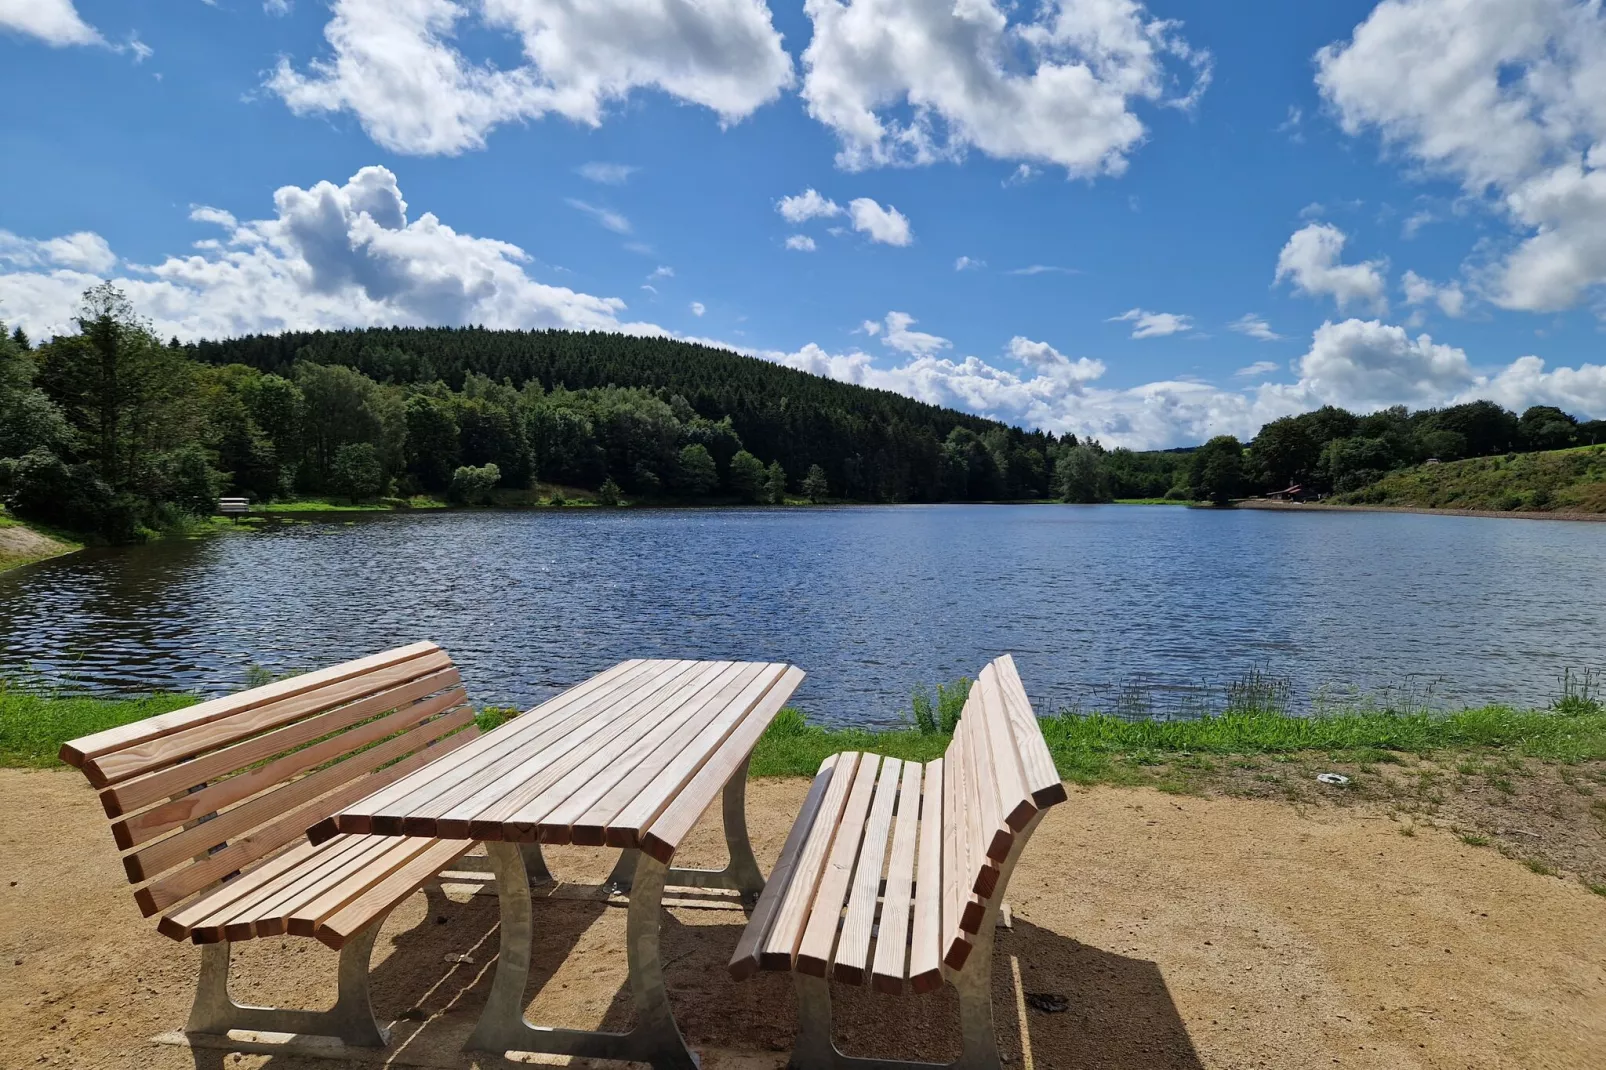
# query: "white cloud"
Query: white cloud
{"points": [[901, 338], [1050, 362], [277, 8], [608, 218], [662, 271], [1366, 364], [201, 213], [1254, 327], [1147, 324], [608, 174], [1311, 261], [1055, 88], [55, 22], [885, 225], [1259, 367], [330, 256], [801, 242], [140, 49], [806, 206], [396, 64], [1043, 269], [966, 263], [82, 251], [1421, 291], [1508, 97], [870, 327], [697, 308]]}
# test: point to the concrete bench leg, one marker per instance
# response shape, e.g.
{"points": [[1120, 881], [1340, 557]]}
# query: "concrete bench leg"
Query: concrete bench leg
{"points": [[351, 1019], [740, 874]]}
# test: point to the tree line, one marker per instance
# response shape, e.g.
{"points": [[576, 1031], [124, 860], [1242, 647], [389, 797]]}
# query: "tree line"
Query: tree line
{"points": [[112, 431]]}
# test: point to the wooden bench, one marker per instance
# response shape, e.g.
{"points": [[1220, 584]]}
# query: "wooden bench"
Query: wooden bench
{"points": [[210, 806], [894, 872]]}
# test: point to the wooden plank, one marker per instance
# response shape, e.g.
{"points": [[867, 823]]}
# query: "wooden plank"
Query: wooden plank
{"points": [[780, 947], [153, 822], [514, 812], [1015, 797], [953, 862], [978, 873], [995, 835], [211, 912], [266, 915], [304, 919], [744, 962], [356, 915], [1038, 764], [177, 924], [260, 714], [586, 813], [819, 937], [852, 958], [511, 742], [164, 854], [143, 790], [183, 883], [925, 941], [892, 935], [688, 790]]}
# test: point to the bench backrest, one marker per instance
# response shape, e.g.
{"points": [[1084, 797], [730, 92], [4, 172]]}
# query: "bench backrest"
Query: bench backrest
{"points": [[201, 793], [997, 775]]}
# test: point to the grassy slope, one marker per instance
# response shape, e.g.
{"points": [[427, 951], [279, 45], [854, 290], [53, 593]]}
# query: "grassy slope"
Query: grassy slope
{"points": [[1571, 480], [21, 543]]}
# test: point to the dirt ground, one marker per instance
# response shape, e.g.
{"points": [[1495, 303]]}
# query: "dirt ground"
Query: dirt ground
{"points": [[19, 545], [1184, 933]]}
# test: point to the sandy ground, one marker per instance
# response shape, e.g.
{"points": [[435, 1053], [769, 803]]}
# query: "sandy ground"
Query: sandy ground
{"points": [[19, 545], [1184, 933]]}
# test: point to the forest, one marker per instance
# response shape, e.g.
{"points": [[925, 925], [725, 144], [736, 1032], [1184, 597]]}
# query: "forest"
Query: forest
{"points": [[113, 433]]}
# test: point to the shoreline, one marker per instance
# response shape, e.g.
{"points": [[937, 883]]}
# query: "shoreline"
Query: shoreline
{"points": [[1488, 514]]}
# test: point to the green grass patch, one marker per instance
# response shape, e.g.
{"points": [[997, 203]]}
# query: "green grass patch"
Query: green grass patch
{"points": [[1474, 841], [33, 727]]}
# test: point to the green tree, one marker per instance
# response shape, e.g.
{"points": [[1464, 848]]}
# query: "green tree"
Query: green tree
{"points": [[1079, 475], [747, 476], [1285, 453], [695, 473], [1354, 462], [19, 338], [1488, 428], [474, 485], [1545, 427], [608, 493], [815, 488], [775, 484], [28, 418], [341, 407], [356, 471], [1216, 470], [432, 441]]}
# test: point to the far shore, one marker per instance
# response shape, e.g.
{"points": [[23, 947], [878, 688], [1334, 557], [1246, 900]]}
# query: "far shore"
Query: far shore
{"points": [[1498, 514]]}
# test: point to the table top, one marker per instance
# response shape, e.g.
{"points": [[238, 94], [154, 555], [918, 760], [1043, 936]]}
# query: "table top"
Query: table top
{"points": [[629, 758]]}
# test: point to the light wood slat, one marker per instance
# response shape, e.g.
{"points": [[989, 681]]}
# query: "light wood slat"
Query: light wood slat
{"points": [[509, 741], [819, 937], [683, 796], [1036, 761], [182, 883], [79, 752], [980, 874], [208, 914], [585, 814], [953, 862], [780, 947], [494, 816], [157, 820], [217, 732], [892, 935], [266, 916], [152, 787], [1016, 798], [744, 962], [177, 848], [357, 914], [305, 918], [925, 941], [995, 837], [852, 957], [177, 924]]}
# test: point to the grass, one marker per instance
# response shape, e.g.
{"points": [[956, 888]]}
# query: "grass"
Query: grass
{"points": [[1571, 480], [33, 727], [1153, 501]]}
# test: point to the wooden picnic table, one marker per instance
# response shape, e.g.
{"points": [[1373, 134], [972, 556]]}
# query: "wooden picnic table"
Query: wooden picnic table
{"points": [[631, 758]]}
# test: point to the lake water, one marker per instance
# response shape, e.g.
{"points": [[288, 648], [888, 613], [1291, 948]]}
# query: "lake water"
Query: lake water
{"points": [[1140, 608]]}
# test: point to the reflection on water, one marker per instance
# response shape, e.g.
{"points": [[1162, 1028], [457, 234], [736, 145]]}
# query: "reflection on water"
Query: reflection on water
{"points": [[1096, 603]]}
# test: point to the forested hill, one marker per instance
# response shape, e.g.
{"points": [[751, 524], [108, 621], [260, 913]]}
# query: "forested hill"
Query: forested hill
{"points": [[873, 444]]}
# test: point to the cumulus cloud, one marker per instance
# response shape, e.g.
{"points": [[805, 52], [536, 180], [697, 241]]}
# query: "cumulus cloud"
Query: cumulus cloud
{"points": [[330, 256], [55, 22], [885, 225], [608, 174], [806, 206], [1420, 291], [966, 263], [608, 218], [801, 242], [1146, 324], [1254, 327], [697, 308], [1052, 83], [1310, 260], [1507, 97], [398, 67], [901, 338]]}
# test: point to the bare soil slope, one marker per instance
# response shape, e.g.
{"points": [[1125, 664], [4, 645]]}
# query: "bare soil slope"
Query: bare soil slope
{"points": [[1185, 933]]}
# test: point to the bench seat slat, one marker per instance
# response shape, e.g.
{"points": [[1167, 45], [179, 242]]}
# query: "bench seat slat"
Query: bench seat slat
{"points": [[892, 935], [780, 947], [825, 915], [853, 946], [355, 915], [925, 938]]}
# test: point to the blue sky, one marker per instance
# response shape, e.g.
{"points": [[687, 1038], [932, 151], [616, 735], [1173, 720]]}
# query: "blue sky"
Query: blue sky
{"points": [[1175, 220]]}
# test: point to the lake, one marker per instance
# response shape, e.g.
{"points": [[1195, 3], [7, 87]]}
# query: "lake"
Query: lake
{"points": [[1142, 609]]}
